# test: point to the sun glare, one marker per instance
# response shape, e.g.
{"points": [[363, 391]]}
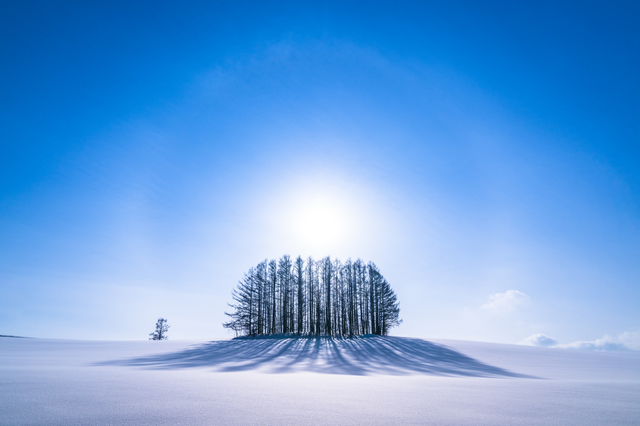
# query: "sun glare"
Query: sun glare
{"points": [[319, 216], [321, 222]]}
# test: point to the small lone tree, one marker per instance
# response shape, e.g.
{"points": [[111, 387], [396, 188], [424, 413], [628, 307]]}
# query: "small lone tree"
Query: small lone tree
{"points": [[162, 327]]}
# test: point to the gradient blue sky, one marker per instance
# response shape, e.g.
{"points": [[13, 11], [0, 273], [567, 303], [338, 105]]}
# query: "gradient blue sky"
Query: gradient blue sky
{"points": [[485, 156]]}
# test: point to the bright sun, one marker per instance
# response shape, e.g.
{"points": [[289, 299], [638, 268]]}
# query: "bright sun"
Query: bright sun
{"points": [[321, 221]]}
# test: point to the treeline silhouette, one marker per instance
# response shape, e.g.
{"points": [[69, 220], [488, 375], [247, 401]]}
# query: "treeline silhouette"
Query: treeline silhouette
{"points": [[321, 298]]}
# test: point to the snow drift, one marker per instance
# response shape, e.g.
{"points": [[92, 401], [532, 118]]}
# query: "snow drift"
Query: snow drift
{"points": [[381, 380]]}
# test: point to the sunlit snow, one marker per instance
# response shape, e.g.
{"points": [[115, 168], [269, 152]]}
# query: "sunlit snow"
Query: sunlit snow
{"points": [[370, 380]]}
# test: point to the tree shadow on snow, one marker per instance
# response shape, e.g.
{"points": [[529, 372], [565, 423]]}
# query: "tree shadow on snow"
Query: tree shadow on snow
{"points": [[354, 356]]}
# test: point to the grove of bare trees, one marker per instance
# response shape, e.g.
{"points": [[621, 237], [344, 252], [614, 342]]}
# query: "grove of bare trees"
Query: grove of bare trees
{"points": [[321, 298]]}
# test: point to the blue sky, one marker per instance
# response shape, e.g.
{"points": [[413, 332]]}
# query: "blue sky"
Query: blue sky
{"points": [[486, 157]]}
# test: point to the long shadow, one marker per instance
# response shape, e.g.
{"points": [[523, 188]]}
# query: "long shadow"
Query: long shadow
{"points": [[354, 356]]}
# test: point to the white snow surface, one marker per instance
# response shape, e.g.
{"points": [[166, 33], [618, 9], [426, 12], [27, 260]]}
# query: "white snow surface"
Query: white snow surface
{"points": [[309, 381]]}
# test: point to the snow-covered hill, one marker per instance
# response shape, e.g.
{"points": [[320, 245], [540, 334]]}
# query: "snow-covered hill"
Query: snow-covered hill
{"points": [[373, 380]]}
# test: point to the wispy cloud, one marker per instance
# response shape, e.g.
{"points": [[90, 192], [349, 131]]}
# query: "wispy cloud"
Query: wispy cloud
{"points": [[504, 302], [621, 342]]}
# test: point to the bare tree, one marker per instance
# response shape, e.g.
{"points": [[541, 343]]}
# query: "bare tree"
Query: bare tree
{"points": [[313, 298], [162, 326], [311, 279], [299, 275]]}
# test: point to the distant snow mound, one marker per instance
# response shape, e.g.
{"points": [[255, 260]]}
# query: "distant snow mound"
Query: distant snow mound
{"points": [[356, 356], [540, 340]]}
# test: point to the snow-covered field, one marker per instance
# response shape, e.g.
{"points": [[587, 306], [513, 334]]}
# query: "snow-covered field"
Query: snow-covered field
{"points": [[388, 380]]}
